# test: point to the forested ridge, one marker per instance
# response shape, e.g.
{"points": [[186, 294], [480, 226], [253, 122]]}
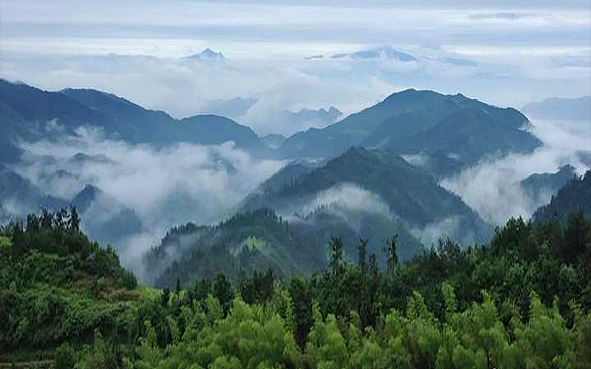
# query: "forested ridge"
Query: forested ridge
{"points": [[521, 301]]}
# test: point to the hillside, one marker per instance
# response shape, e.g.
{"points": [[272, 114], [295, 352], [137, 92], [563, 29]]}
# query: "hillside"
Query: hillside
{"points": [[29, 113], [421, 122], [245, 242], [573, 197], [406, 192], [56, 285], [69, 304]]}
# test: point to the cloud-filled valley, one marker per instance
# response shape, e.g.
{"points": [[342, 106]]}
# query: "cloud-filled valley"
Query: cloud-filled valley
{"points": [[492, 187], [163, 187]]}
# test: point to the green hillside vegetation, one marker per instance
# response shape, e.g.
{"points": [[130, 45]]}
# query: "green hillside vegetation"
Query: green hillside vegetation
{"points": [[523, 301], [259, 239], [57, 285]]}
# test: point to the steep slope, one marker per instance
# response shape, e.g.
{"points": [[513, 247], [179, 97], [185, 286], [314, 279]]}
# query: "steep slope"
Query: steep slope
{"points": [[426, 122], [467, 135], [573, 197]]}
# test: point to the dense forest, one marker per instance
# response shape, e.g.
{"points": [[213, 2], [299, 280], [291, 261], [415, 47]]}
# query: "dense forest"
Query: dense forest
{"points": [[522, 301]]}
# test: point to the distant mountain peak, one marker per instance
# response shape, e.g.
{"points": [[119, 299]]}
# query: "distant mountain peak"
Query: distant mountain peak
{"points": [[385, 52], [207, 54]]}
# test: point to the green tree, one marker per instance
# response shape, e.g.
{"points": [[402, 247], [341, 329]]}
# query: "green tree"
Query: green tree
{"points": [[391, 250], [65, 357], [336, 262]]}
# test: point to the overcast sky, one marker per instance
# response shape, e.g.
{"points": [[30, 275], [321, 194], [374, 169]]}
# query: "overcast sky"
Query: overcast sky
{"points": [[514, 51]]}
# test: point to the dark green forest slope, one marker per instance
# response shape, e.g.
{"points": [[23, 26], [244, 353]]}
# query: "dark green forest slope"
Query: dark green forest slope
{"points": [[521, 301]]}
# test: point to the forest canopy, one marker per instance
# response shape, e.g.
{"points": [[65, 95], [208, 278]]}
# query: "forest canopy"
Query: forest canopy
{"points": [[522, 301]]}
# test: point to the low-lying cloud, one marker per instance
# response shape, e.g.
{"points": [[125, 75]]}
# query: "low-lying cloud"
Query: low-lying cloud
{"points": [[164, 187], [492, 187], [348, 202]]}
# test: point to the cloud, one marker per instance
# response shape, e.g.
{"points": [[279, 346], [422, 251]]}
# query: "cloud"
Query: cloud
{"points": [[164, 187], [501, 15], [492, 187], [349, 196], [530, 48], [430, 234]]}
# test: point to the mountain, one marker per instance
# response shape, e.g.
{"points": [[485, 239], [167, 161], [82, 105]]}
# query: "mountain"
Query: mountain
{"points": [[451, 127], [104, 218], [408, 192], [555, 108], [318, 116], [245, 242], [273, 140], [29, 113], [380, 52], [19, 196], [207, 55], [575, 195], [540, 187], [233, 108], [287, 223], [158, 127]]}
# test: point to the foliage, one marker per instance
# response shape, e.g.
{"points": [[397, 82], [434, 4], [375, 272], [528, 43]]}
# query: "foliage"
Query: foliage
{"points": [[522, 302]]}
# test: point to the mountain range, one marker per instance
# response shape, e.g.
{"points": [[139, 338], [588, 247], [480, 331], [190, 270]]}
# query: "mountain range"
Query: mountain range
{"points": [[28, 113], [288, 221], [370, 175], [448, 132], [554, 108]]}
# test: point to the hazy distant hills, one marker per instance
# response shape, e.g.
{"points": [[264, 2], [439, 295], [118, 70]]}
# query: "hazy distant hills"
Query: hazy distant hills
{"points": [[19, 196], [380, 52], [273, 140], [30, 113], [105, 218], [540, 187], [554, 108], [571, 198], [446, 132], [425, 123]]}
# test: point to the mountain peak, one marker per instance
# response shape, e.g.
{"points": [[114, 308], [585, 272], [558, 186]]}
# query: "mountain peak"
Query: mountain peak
{"points": [[207, 54], [386, 52]]}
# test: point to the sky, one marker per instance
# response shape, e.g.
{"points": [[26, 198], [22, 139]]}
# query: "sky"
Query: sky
{"points": [[507, 53]]}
